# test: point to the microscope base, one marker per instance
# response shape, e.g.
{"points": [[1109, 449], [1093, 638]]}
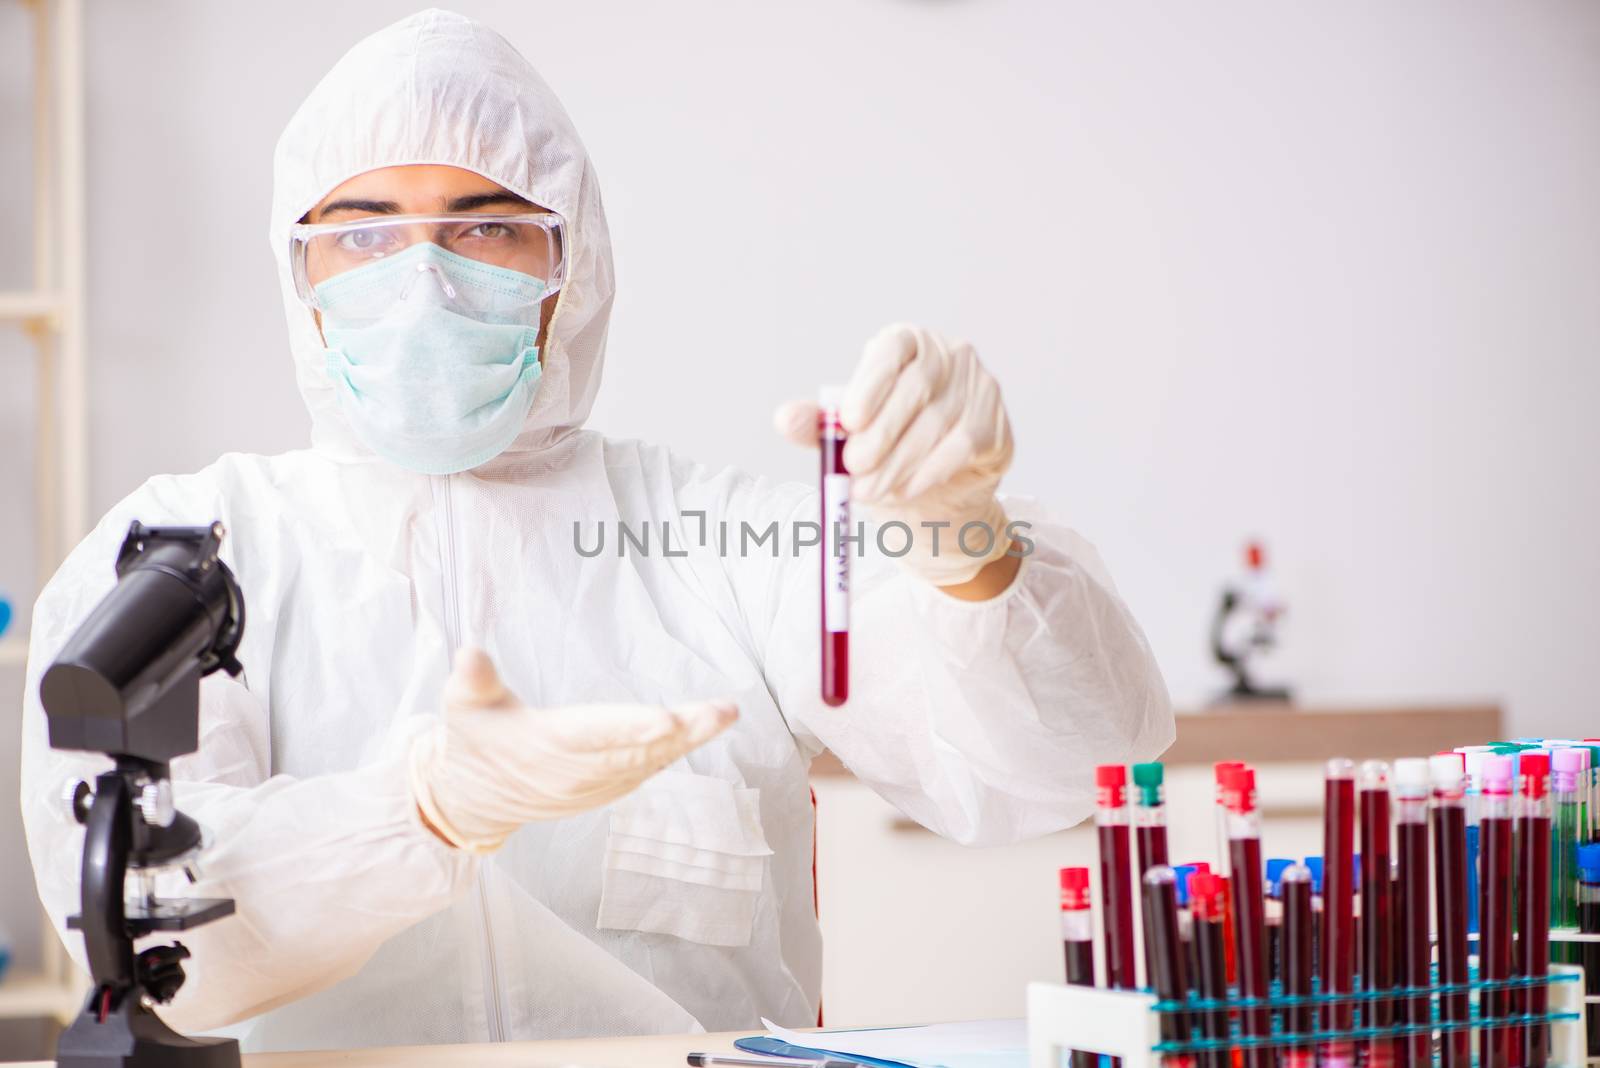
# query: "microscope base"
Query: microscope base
{"points": [[133, 1037]]}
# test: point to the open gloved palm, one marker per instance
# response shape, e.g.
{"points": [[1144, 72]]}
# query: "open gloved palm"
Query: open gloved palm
{"points": [[492, 764]]}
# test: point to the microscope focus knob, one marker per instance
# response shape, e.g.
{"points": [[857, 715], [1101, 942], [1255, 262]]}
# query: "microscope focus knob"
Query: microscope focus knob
{"points": [[155, 803], [77, 796]]}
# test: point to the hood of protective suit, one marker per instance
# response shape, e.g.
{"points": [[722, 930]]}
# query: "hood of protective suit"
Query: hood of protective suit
{"points": [[440, 88]]}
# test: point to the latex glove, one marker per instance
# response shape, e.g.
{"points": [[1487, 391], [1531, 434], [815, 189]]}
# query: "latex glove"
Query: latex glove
{"points": [[490, 764], [928, 442]]}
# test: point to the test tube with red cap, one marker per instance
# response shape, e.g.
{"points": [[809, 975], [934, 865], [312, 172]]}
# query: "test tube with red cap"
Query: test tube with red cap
{"points": [[1222, 770], [1209, 905], [1116, 864], [1377, 907], [1077, 937], [1415, 958], [1533, 905], [1450, 906], [1494, 905], [1338, 964], [835, 549], [1249, 907]]}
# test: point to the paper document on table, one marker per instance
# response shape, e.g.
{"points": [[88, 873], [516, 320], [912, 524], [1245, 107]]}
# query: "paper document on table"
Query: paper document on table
{"points": [[976, 1044]]}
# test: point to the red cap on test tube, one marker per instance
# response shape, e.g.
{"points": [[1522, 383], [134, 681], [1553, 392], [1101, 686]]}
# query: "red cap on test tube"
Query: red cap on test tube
{"points": [[1206, 896], [1074, 889], [1535, 769], [1239, 789], [1223, 768], [1111, 785]]}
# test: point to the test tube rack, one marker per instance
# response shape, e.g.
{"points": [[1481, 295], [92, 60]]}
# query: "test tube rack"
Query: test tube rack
{"points": [[1127, 1024]]}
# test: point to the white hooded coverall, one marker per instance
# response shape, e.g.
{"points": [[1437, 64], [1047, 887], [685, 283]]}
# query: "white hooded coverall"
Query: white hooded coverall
{"points": [[687, 904]]}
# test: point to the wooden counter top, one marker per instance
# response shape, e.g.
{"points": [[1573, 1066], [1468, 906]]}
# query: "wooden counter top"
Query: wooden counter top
{"points": [[654, 1051], [1273, 733]]}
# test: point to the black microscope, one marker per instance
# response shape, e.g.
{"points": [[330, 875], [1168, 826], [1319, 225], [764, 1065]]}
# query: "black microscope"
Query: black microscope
{"points": [[128, 685]]}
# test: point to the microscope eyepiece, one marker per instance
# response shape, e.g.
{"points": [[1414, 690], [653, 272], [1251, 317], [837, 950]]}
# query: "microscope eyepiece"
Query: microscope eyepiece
{"points": [[175, 614]]}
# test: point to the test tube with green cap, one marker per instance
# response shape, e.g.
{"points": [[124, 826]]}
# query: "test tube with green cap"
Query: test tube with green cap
{"points": [[1150, 830], [1150, 816]]}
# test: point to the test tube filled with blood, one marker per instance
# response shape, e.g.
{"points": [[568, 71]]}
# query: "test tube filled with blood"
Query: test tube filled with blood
{"points": [[1414, 964], [835, 549], [1377, 908], [1295, 888], [1077, 939], [1249, 908], [1159, 893], [1450, 895], [1337, 966], [1116, 862], [1150, 832], [1494, 905], [1211, 955], [1533, 904]]}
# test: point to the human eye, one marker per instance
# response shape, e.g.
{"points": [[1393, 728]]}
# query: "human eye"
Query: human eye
{"points": [[366, 241], [488, 231]]}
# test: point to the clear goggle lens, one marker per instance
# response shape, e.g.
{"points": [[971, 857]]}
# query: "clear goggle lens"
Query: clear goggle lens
{"points": [[528, 245]]}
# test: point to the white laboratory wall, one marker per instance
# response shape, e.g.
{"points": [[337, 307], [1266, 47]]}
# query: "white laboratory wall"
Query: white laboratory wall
{"points": [[1323, 272]]}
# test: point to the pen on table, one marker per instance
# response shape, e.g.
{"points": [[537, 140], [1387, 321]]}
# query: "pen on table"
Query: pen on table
{"points": [[718, 1060]]}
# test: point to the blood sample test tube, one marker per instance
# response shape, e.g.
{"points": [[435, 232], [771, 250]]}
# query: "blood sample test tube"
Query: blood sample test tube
{"points": [[1249, 909], [1211, 981], [1314, 866], [1191, 969], [1077, 939], [1414, 961], [1223, 770], [1336, 965], [835, 550], [1450, 907], [1533, 919], [1149, 816], [1116, 863], [1298, 965], [1162, 937], [1377, 907], [1494, 906], [1275, 869], [1149, 832]]}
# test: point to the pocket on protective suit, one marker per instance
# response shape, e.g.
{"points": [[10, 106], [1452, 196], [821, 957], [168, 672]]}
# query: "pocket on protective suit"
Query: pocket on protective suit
{"points": [[685, 856]]}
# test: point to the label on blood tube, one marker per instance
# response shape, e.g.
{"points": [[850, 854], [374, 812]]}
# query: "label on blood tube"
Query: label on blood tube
{"points": [[836, 572]]}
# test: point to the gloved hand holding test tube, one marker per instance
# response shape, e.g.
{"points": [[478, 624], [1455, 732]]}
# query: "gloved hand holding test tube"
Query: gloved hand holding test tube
{"points": [[921, 439]]}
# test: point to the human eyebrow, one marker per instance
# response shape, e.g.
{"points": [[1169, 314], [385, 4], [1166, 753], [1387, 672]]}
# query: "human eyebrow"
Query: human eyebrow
{"points": [[474, 201], [370, 207]]}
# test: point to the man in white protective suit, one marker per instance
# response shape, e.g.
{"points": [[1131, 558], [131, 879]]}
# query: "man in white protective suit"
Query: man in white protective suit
{"points": [[477, 785]]}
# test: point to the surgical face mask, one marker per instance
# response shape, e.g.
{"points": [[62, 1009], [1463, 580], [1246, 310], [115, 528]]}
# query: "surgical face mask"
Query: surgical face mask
{"points": [[425, 385]]}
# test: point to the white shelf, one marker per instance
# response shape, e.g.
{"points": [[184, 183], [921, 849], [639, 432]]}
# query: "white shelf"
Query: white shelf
{"points": [[13, 651], [29, 305], [23, 996]]}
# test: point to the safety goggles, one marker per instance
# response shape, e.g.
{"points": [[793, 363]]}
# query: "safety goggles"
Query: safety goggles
{"points": [[325, 258]]}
